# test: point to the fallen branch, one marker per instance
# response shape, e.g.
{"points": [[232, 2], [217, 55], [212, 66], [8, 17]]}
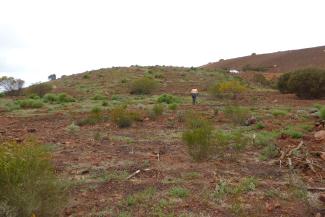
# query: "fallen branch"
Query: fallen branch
{"points": [[133, 174], [295, 149], [316, 188]]}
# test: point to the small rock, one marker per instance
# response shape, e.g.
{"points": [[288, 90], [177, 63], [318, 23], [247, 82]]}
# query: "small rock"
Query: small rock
{"points": [[250, 121], [320, 135], [31, 130]]}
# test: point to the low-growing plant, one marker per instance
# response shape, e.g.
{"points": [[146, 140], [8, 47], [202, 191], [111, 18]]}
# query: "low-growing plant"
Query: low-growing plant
{"points": [[264, 138], [28, 184], [279, 112], [156, 111], [99, 97], [167, 98], [143, 86], [72, 128], [179, 192], [322, 113], [293, 133], [269, 152], [2, 94], [58, 98], [30, 103], [172, 106], [237, 114], [105, 103]]}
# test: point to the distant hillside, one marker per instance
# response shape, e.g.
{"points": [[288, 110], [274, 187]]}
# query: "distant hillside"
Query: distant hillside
{"points": [[281, 61]]}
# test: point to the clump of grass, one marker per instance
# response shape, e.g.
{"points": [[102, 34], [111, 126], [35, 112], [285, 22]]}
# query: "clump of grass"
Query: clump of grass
{"points": [[322, 113], [72, 128], [179, 192], [156, 111], [293, 133], [172, 106], [270, 151], [141, 197], [99, 97], [58, 98], [259, 126], [104, 103], [30, 103], [264, 138], [237, 114], [28, 184], [95, 116], [236, 140], [279, 112]]}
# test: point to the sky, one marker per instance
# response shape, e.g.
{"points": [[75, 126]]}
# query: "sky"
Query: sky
{"points": [[42, 37]]}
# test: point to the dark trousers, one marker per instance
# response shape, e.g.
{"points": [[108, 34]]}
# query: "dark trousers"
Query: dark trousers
{"points": [[194, 95]]}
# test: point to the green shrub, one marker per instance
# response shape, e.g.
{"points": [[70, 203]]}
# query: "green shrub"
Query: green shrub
{"points": [[121, 117], [167, 98], [237, 114], [34, 96], [172, 106], [307, 83], [270, 151], [39, 89], [282, 84], [58, 98], [264, 138], [260, 79], [86, 76], [2, 94], [143, 86], [293, 133], [230, 89], [179, 192], [235, 140], [99, 97], [322, 113], [156, 111], [30, 103], [72, 129], [28, 184], [199, 138]]}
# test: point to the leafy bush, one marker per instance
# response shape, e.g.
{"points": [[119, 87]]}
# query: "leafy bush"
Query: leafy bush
{"points": [[121, 117], [30, 103], [282, 84], [39, 89], [28, 184], [143, 86], [305, 83], [167, 98], [58, 98], [237, 114], [227, 89], [199, 138]]}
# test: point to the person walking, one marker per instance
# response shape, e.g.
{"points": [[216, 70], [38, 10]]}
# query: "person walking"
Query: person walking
{"points": [[194, 93]]}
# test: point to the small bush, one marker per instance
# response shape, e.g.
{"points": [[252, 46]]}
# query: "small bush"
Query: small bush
{"points": [[39, 89], [105, 103], [167, 98], [156, 111], [121, 117], [260, 79], [143, 86], [28, 184], [30, 103], [237, 114], [199, 138], [63, 98], [235, 140], [86, 76], [282, 84], [2, 95], [227, 89], [50, 98]]}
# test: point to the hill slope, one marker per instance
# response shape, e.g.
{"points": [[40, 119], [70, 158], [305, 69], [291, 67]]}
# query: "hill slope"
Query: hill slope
{"points": [[281, 61]]}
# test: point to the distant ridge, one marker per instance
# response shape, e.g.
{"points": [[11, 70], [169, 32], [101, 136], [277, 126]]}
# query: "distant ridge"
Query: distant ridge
{"points": [[282, 61]]}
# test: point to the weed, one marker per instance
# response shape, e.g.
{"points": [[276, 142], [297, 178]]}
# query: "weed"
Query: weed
{"points": [[264, 138], [172, 106], [156, 111], [237, 114], [30, 103], [99, 97], [270, 151], [293, 133], [179, 192], [167, 98], [141, 197], [279, 112], [72, 129], [259, 126], [121, 117], [222, 189]]}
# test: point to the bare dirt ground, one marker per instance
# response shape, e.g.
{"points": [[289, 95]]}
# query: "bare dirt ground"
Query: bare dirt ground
{"points": [[98, 167]]}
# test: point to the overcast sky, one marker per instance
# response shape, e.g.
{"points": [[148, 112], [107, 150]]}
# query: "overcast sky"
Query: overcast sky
{"points": [[38, 38]]}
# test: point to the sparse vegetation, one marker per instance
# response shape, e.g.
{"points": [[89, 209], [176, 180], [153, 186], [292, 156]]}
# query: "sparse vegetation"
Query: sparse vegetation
{"points": [[29, 103], [121, 117], [229, 89], [179, 192], [237, 114], [39, 89]]}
